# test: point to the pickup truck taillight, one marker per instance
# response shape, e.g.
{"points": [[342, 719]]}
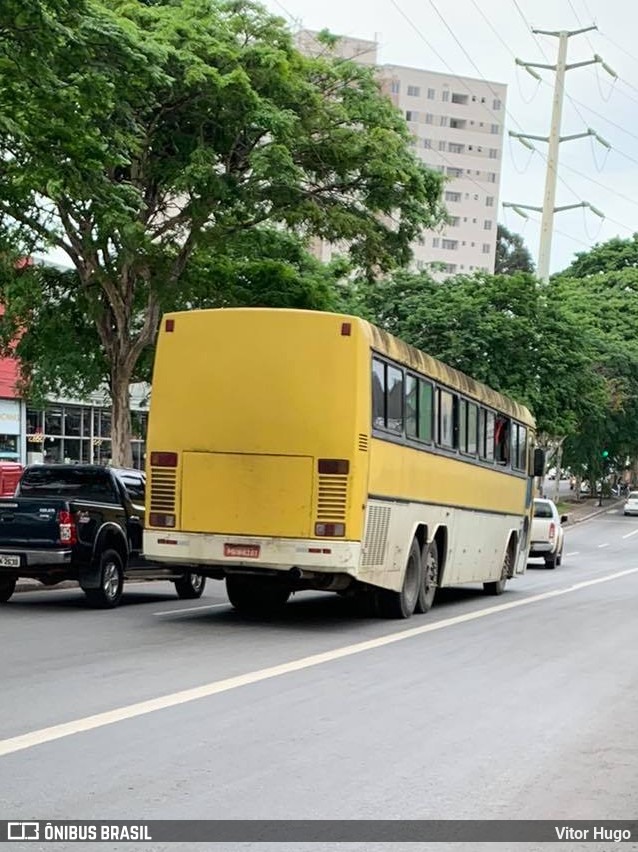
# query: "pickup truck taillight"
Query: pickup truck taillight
{"points": [[552, 530], [68, 529]]}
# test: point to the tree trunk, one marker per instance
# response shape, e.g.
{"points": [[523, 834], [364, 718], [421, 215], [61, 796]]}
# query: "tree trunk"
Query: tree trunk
{"points": [[121, 452]]}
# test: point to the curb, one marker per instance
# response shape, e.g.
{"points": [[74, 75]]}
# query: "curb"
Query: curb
{"points": [[603, 510]]}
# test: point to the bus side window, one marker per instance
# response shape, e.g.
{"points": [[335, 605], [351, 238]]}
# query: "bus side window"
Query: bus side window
{"points": [[411, 400], [394, 401], [502, 440], [378, 394], [446, 419], [521, 448], [489, 435]]}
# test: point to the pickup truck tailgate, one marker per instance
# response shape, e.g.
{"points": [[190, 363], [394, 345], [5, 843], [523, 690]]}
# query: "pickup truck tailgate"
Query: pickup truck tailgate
{"points": [[29, 523]]}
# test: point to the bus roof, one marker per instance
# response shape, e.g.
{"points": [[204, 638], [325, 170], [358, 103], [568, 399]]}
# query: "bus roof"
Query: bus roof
{"points": [[390, 346], [397, 350]]}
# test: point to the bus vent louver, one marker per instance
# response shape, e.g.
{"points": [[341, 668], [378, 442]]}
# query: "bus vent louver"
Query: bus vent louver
{"points": [[332, 498], [363, 442], [375, 537], [163, 481]]}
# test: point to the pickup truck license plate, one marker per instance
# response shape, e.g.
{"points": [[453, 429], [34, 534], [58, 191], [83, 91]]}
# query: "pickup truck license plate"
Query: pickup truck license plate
{"points": [[9, 561], [243, 551]]}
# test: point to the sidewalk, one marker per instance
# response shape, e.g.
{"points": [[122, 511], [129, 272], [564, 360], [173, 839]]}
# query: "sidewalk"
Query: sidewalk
{"points": [[583, 510]]}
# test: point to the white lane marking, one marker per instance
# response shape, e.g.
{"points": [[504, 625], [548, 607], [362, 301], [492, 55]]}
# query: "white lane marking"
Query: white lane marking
{"points": [[189, 609], [604, 545], [185, 696], [573, 553], [629, 535]]}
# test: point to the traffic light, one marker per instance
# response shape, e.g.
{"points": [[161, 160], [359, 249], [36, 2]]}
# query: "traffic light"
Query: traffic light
{"points": [[605, 454]]}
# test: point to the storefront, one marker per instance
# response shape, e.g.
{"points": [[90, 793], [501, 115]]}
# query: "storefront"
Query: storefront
{"points": [[73, 433], [10, 429]]}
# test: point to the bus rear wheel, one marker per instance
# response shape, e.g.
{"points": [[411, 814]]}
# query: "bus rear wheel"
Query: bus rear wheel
{"points": [[256, 595], [430, 577], [498, 587], [402, 604]]}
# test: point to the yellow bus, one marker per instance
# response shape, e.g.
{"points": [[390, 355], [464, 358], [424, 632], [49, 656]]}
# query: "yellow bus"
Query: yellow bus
{"points": [[291, 450]]}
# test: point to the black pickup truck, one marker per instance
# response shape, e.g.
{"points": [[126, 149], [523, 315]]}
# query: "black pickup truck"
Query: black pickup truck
{"points": [[80, 522]]}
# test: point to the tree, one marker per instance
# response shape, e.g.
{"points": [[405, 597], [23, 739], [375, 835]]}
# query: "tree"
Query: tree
{"points": [[62, 349], [161, 131], [512, 254], [614, 255], [502, 330], [605, 306]]}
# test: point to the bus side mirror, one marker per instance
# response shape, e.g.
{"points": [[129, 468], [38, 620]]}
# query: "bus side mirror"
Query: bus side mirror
{"points": [[539, 462]]}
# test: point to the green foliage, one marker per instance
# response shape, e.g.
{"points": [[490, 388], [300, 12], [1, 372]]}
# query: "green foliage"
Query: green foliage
{"points": [[512, 255], [503, 330], [142, 137], [62, 351], [612, 256]]}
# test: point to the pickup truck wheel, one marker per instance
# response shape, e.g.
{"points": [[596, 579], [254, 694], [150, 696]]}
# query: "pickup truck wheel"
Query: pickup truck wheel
{"points": [[7, 588], [552, 561], [190, 586], [256, 596], [109, 592]]}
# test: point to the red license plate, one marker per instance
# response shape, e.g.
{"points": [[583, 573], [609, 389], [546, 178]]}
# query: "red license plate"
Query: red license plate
{"points": [[242, 551]]}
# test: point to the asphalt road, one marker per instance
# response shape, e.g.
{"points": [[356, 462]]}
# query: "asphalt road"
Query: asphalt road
{"points": [[517, 707]]}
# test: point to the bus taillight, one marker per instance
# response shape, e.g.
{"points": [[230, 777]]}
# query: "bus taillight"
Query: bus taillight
{"points": [[163, 459], [330, 530], [333, 466]]}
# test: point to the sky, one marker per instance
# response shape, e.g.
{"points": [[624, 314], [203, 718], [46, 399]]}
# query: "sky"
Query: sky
{"points": [[490, 34]]}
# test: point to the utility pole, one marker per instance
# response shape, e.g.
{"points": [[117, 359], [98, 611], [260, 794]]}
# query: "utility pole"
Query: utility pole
{"points": [[554, 139]]}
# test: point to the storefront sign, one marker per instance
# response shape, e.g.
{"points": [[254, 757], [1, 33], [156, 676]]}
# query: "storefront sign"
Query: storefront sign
{"points": [[9, 417]]}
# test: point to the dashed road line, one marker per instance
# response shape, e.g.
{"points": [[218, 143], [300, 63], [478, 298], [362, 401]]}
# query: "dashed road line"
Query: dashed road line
{"points": [[604, 545], [629, 535]]}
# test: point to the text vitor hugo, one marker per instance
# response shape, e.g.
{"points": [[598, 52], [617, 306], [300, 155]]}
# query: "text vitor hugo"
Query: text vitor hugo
{"points": [[96, 832], [598, 832]]}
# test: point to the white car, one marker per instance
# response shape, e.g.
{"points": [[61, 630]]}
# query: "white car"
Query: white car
{"points": [[548, 537], [631, 506]]}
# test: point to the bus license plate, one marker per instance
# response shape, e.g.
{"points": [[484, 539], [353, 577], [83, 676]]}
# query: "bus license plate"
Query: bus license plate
{"points": [[9, 561], [242, 551]]}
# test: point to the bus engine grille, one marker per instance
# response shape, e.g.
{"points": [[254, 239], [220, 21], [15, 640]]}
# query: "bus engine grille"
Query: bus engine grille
{"points": [[376, 536], [163, 483], [332, 498]]}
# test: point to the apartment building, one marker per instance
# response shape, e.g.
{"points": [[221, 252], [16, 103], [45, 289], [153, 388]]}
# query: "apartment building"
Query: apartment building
{"points": [[457, 124]]}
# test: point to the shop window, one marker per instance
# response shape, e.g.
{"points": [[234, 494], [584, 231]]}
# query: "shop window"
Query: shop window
{"points": [[53, 421]]}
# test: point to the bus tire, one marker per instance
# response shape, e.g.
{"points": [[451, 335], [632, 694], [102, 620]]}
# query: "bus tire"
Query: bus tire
{"points": [[190, 586], [402, 604], [429, 577], [256, 595], [498, 586], [7, 588]]}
